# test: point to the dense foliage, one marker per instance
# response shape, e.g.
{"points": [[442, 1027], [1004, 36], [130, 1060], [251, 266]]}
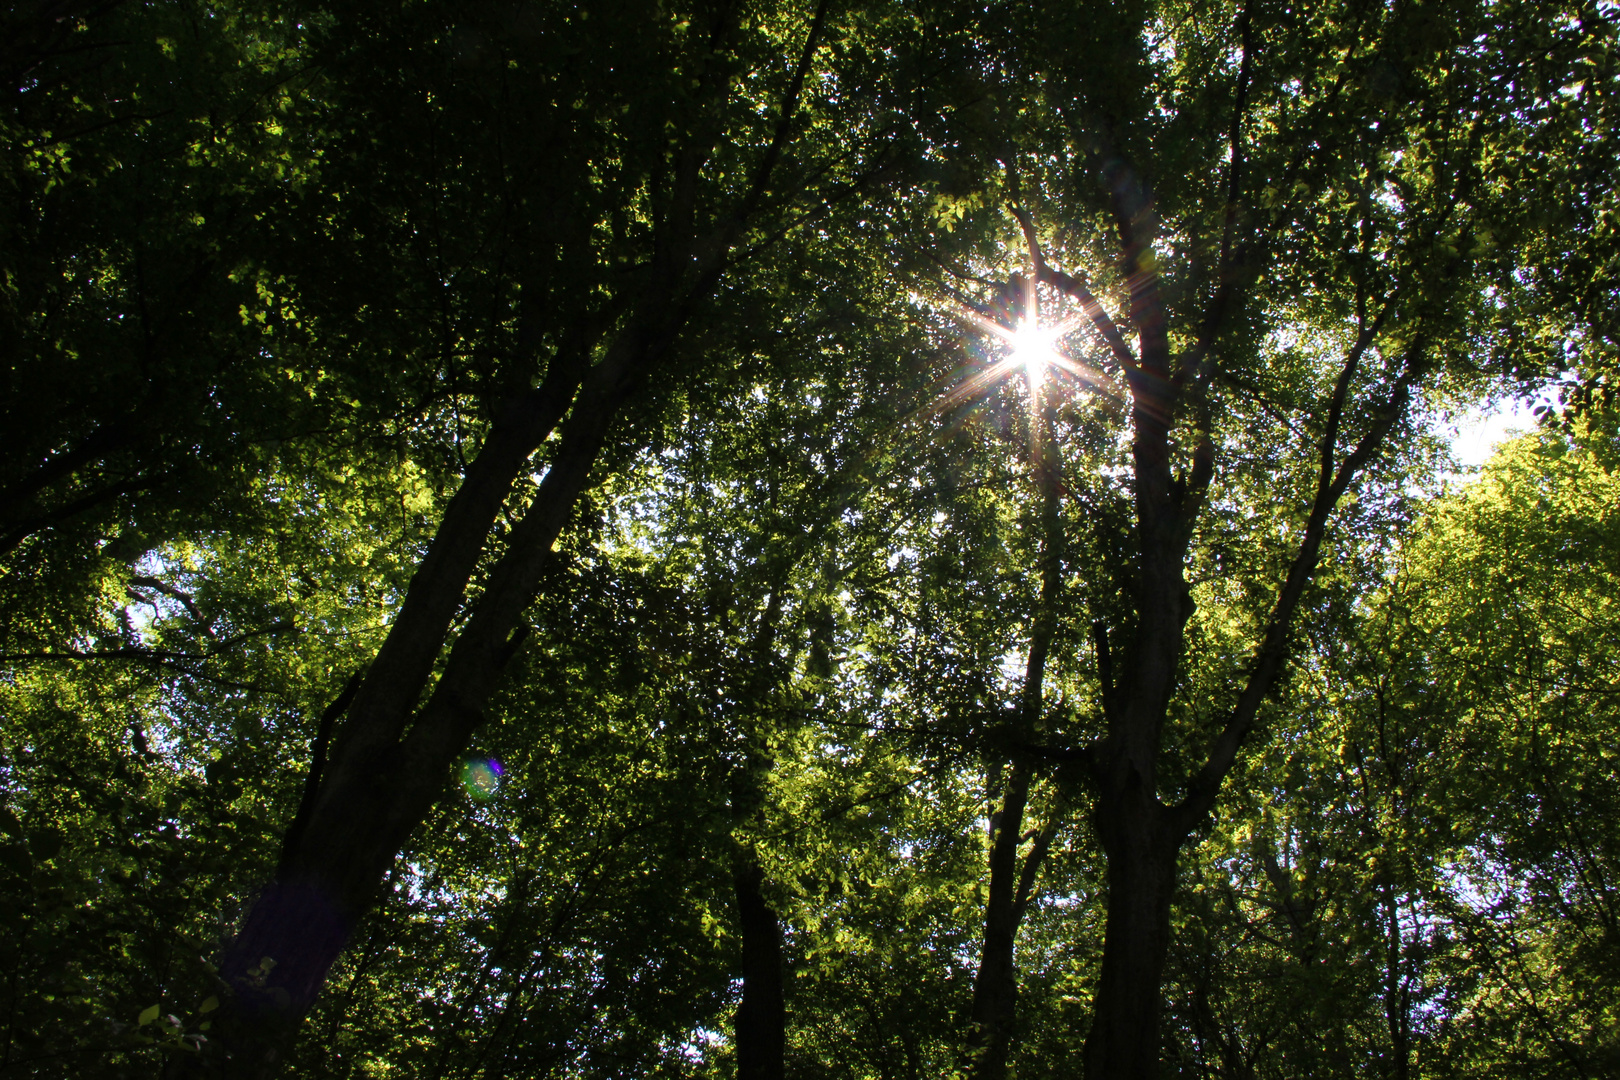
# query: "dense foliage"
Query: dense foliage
{"points": [[558, 483]]}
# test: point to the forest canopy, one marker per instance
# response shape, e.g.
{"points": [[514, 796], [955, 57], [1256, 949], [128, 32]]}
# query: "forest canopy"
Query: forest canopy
{"points": [[855, 540]]}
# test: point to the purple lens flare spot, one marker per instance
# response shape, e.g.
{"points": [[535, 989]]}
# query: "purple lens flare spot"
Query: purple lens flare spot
{"points": [[481, 777]]}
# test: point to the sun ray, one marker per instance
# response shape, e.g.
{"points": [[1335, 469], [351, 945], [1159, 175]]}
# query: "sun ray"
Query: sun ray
{"points": [[1035, 348], [1030, 345]]}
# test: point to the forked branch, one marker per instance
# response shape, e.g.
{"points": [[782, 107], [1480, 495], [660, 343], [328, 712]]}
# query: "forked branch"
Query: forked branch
{"points": [[1331, 485]]}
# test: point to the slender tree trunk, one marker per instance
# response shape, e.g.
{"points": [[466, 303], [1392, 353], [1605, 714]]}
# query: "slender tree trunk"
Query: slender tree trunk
{"points": [[995, 989], [1396, 1011], [760, 1026], [761, 1023]]}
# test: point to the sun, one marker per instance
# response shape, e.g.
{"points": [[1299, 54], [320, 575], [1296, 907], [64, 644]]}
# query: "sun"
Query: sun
{"points": [[1035, 346]]}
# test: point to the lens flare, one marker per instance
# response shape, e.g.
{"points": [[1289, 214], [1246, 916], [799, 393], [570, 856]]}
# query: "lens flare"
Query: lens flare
{"points": [[1035, 347], [480, 777]]}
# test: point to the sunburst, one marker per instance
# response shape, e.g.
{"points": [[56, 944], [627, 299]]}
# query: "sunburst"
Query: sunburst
{"points": [[1034, 346]]}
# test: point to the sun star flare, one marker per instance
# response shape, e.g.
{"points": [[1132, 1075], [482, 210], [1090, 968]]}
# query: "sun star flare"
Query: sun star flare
{"points": [[1035, 347]]}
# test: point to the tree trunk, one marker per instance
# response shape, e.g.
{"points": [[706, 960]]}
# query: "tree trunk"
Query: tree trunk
{"points": [[995, 989], [275, 966], [1397, 1011], [382, 779], [1141, 849], [761, 1024], [391, 755]]}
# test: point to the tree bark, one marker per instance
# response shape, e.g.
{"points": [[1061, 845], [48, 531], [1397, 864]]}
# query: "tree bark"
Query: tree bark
{"points": [[995, 988], [1124, 1040], [761, 1022]]}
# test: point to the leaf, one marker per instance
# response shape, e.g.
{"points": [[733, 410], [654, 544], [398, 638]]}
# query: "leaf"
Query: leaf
{"points": [[208, 1006], [148, 1014]]}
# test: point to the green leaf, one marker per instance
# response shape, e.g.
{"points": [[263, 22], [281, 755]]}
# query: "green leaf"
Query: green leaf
{"points": [[208, 1006], [148, 1014]]}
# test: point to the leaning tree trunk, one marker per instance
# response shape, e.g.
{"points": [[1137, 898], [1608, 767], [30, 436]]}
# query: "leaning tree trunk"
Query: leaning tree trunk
{"points": [[391, 753], [383, 778]]}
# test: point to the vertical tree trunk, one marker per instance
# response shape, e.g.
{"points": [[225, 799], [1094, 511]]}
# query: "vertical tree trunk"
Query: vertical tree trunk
{"points": [[995, 988], [1141, 849], [1397, 1013], [761, 1023]]}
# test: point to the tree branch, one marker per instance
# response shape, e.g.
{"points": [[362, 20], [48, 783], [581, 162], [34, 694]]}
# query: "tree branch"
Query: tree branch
{"points": [[27, 527], [1331, 485], [1106, 329], [1195, 367], [149, 655], [100, 442], [784, 123], [1032, 861], [317, 763], [186, 601]]}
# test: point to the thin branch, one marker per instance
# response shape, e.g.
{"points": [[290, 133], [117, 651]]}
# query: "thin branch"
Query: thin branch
{"points": [[821, 209], [784, 124], [1195, 367], [1106, 328], [186, 601], [1273, 651], [149, 655], [1032, 861], [100, 442], [1037, 261]]}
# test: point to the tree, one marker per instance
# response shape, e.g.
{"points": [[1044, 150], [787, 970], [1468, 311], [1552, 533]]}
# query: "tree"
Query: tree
{"points": [[713, 159], [589, 332], [1508, 584], [1303, 225], [137, 174], [1380, 894]]}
